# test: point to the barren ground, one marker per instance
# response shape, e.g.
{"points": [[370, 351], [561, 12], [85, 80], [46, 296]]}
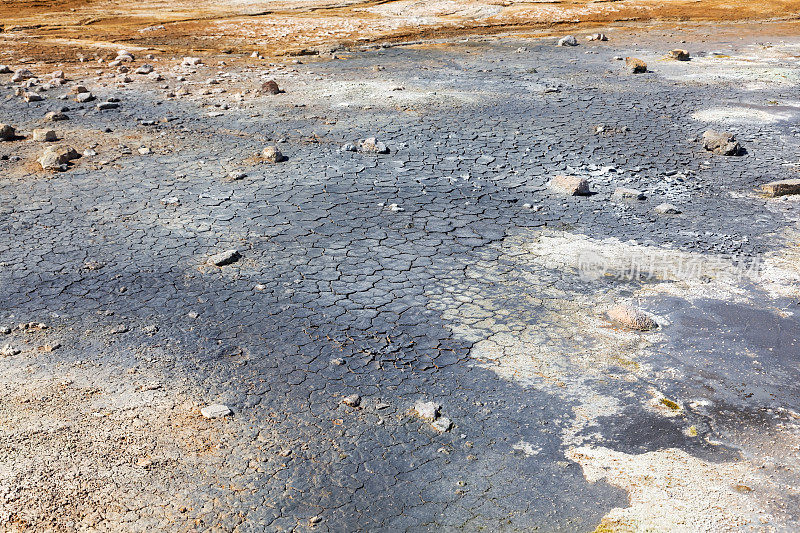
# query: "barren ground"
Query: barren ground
{"points": [[446, 270]]}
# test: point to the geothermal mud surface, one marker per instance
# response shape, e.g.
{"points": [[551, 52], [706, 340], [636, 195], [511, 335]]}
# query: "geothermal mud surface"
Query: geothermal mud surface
{"points": [[445, 271]]}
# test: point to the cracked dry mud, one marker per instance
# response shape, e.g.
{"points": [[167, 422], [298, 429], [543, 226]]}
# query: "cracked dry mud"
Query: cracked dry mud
{"points": [[365, 284]]}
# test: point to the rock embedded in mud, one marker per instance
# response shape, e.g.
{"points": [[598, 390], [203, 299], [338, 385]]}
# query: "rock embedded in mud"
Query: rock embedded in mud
{"points": [[679, 55], [426, 410], [124, 55], [353, 400], [569, 40], [635, 65], [55, 116], [84, 97], [215, 410], [272, 154], [623, 193], [372, 145], [44, 135], [721, 142], [442, 424], [8, 351], [570, 185], [781, 188], [55, 157], [666, 209], [270, 87], [224, 258], [21, 74], [631, 317], [7, 133]]}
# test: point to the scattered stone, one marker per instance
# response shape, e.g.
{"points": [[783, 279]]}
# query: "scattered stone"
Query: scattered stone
{"points": [[426, 410], [442, 424], [84, 97], [55, 116], [8, 351], [44, 135], [21, 75], [353, 400], [144, 150], [382, 405], [679, 55], [124, 55], [144, 69], [635, 65], [570, 185], [7, 133], [33, 97], [79, 89], [781, 187], [667, 209], [107, 105], [224, 258], [721, 142], [122, 328], [272, 155], [5, 69], [58, 75], [56, 157], [372, 145], [623, 193], [349, 147], [191, 61], [569, 40], [5, 330], [631, 317], [270, 87], [338, 361], [172, 201], [215, 410], [50, 347], [150, 330], [597, 37], [286, 452], [236, 176]]}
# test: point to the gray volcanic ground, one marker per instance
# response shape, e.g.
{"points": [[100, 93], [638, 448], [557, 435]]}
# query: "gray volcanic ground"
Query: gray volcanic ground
{"points": [[445, 271]]}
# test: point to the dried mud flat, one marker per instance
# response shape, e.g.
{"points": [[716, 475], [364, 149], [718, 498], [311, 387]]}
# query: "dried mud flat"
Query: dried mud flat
{"points": [[410, 333]]}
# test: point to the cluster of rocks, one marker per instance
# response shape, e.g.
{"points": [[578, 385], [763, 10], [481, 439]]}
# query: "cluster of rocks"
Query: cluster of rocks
{"points": [[571, 40], [369, 145]]}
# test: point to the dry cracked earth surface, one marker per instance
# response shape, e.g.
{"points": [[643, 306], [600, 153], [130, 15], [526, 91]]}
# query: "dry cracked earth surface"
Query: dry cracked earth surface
{"points": [[415, 340]]}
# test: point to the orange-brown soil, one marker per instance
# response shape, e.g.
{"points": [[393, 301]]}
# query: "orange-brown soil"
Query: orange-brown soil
{"points": [[58, 30]]}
